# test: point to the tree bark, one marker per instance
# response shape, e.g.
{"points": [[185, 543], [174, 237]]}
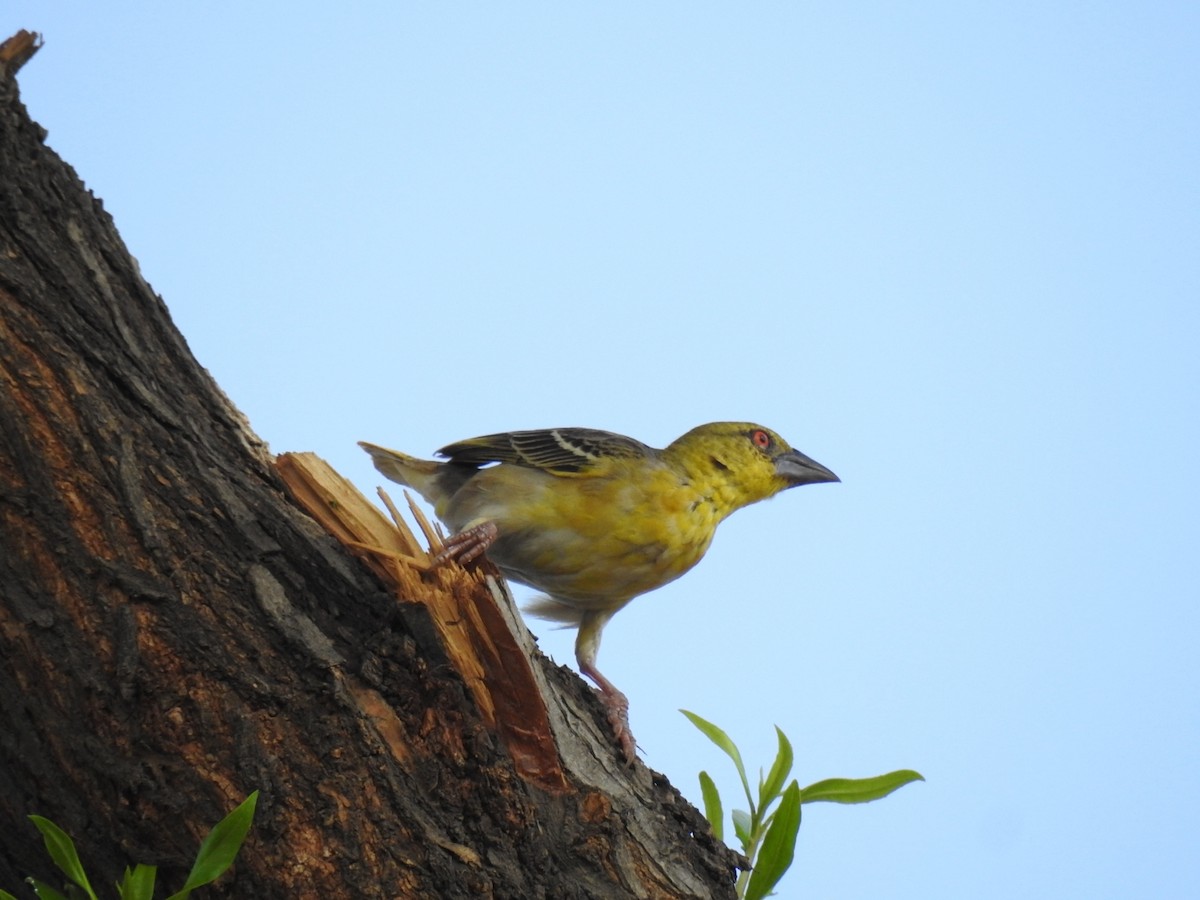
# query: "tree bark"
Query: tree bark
{"points": [[176, 633]]}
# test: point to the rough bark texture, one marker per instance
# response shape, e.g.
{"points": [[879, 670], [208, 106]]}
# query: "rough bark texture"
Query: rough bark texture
{"points": [[175, 633]]}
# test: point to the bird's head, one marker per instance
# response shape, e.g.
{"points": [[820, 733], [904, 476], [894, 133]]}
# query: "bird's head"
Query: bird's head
{"points": [[744, 462]]}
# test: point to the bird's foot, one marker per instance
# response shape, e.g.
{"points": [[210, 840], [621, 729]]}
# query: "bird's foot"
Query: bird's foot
{"points": [[617, 705], [467, 545]]}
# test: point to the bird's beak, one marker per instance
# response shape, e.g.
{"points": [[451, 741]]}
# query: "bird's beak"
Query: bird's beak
{"points": [[796, 469]]}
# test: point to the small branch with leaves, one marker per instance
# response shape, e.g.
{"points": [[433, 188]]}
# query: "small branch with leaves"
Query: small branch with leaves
{"points": [[215, 856], [768, 830]]}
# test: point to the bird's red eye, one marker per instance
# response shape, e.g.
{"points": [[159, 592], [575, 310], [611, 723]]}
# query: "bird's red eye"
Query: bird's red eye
{"points": [[761, 439]]}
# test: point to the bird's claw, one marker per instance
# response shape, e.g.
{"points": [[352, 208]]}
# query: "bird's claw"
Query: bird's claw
{"points": [[468, 545], [617, 706]]}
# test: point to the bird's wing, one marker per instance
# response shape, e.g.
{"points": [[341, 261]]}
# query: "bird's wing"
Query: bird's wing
{"points": [[562, 451]]}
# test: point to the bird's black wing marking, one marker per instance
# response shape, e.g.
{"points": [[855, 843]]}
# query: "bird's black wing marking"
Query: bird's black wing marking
{"points": [[565, 450]]}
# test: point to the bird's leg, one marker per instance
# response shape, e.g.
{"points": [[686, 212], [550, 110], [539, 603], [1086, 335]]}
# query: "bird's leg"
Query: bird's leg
{"points": [[617, 705], [467, 545], [587, 645]]}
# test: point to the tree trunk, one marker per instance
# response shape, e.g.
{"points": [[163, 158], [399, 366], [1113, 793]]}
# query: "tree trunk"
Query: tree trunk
{"points": [[176, 633]]}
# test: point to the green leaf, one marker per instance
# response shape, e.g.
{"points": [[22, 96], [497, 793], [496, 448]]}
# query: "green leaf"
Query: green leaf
{"points": [[778, 847], [138, 884], [780, 769], [62, 850], [44, 890], [220, 848], [712, 806], [5, 895], [721, 739], [858, 790], [743, 827]]}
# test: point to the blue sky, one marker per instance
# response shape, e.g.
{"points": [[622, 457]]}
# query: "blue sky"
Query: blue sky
{"points": [[950, 250]]}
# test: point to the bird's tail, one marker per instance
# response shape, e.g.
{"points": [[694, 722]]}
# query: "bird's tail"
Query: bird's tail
{"points": [[546, 607], [418, 474]]}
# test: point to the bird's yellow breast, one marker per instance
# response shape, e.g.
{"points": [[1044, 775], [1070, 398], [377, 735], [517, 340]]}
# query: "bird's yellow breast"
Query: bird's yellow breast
{"points": [[593, 542]]}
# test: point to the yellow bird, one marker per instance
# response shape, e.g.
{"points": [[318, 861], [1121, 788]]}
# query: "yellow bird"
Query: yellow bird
{"points": [[594, 518]]}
